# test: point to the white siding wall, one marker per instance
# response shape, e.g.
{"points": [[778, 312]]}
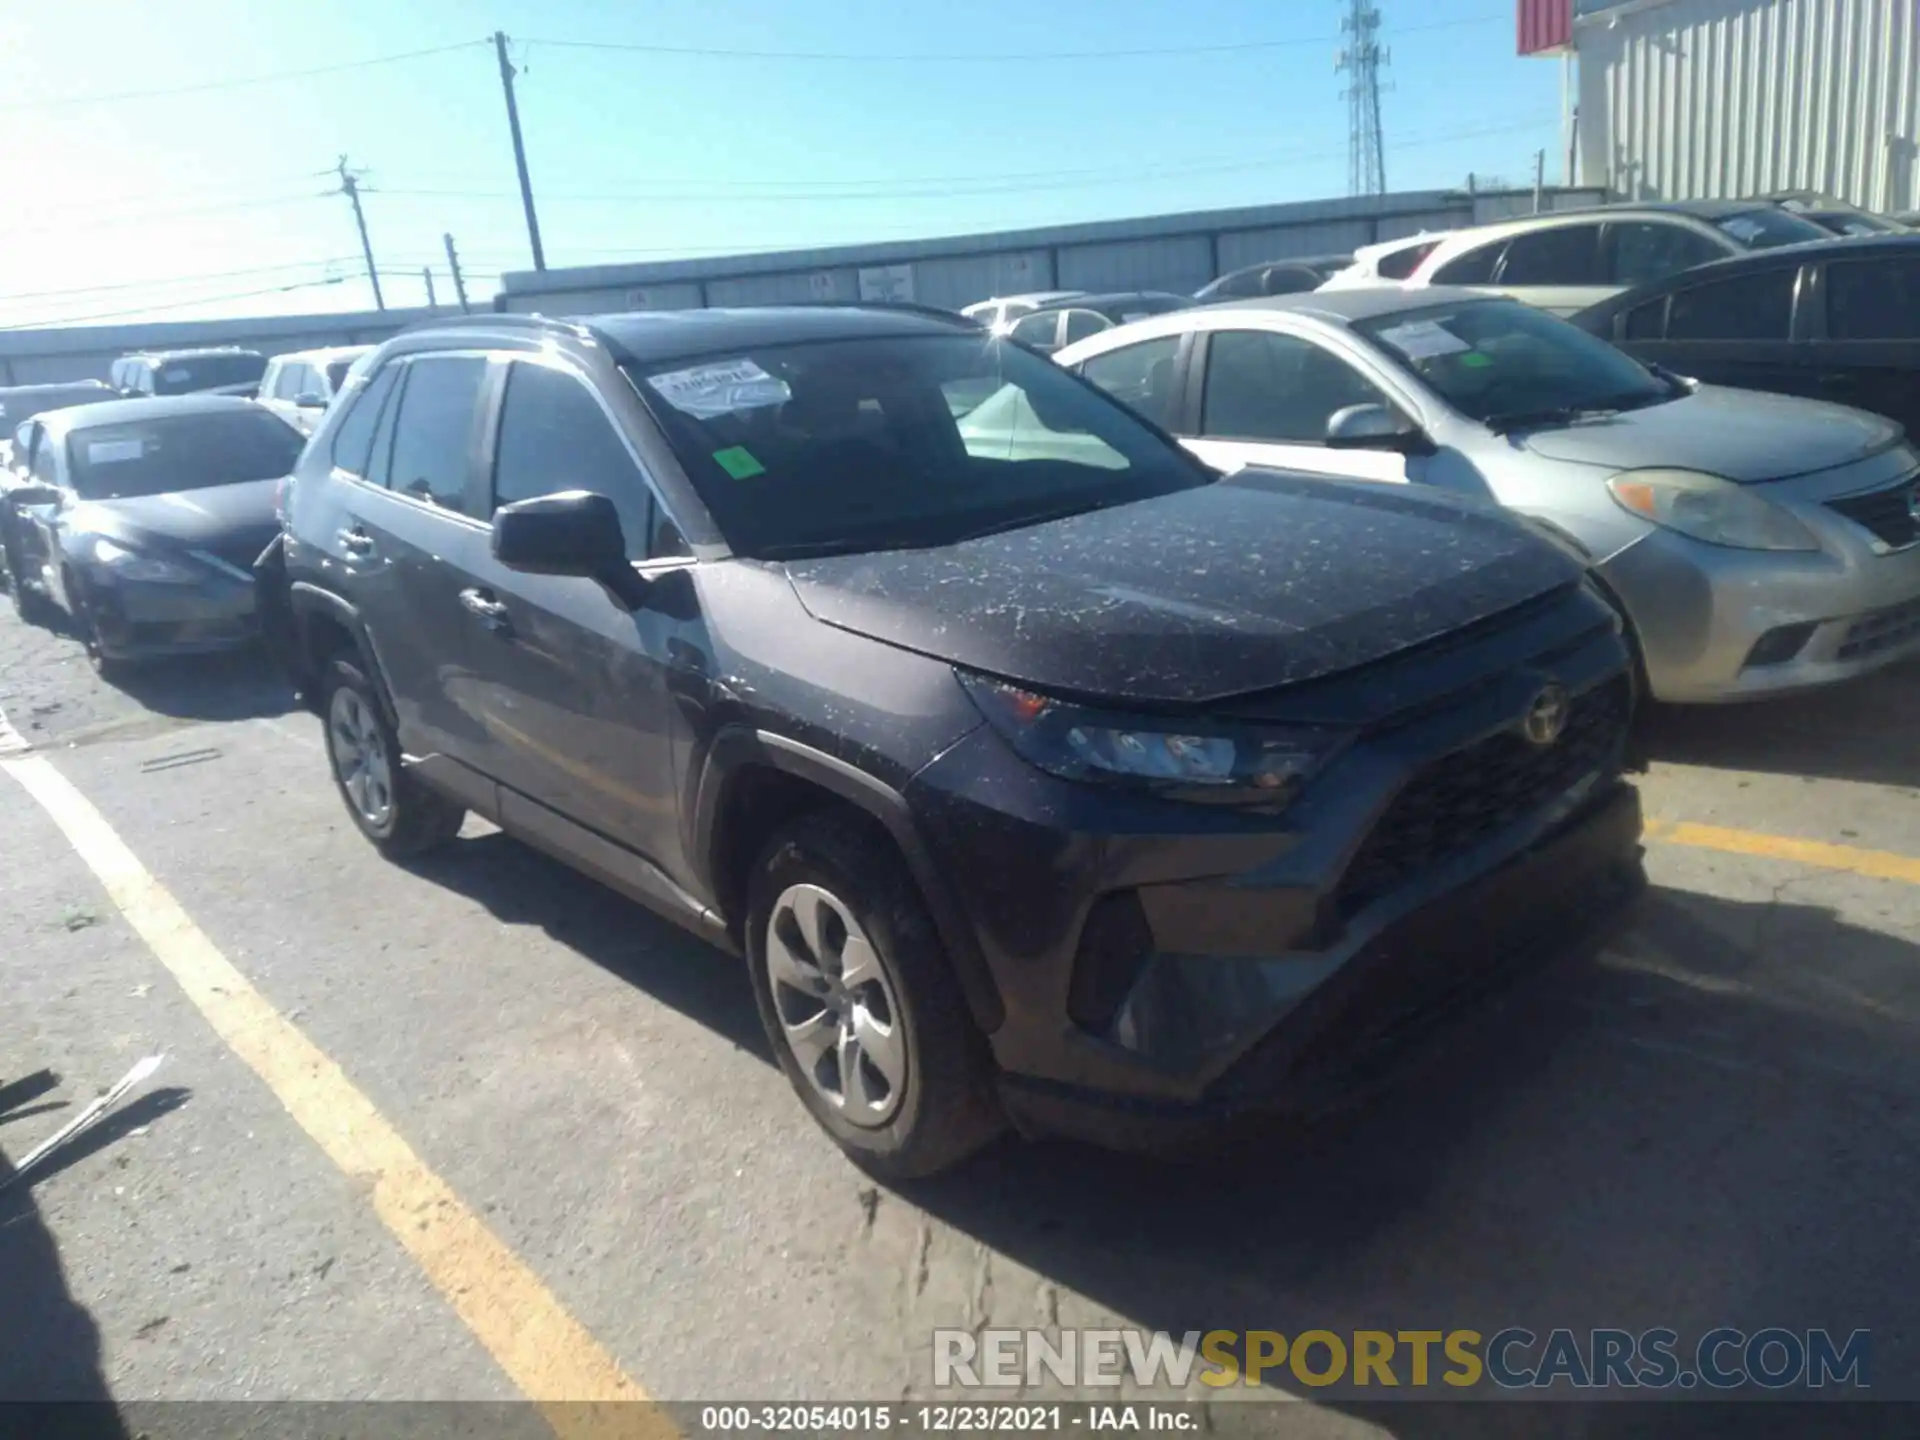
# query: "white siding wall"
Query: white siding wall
{"points": [[1699, 99]]}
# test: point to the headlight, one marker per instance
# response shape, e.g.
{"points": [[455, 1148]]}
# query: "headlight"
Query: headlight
{"points": [[1254, 765], [150, 569], [1710, 509]]}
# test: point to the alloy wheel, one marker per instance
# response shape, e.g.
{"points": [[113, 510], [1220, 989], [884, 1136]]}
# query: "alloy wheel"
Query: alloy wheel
{"points": [[836, 1005], [359, 756]]}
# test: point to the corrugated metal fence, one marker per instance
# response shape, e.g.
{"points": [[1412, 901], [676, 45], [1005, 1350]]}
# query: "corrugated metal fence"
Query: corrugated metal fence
{"points": [[1700, 99]]}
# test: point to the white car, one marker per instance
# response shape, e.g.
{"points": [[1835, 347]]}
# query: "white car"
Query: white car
{"points": [[299, 386], [1387, 263], [999, 313]]}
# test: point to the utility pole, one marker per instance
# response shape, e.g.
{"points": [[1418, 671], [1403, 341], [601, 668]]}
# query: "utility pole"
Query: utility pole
{"points": [[350, 187], [453, 264], [1539, 179], [519, 149], [426, 274], [1362, 56]]}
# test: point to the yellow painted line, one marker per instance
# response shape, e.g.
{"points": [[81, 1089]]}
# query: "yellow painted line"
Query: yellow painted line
{"points": [[1881, 864], [547, 1353]]}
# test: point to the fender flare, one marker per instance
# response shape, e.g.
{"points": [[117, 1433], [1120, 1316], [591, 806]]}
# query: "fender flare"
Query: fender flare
{"points": [[305, 600], [738, 746]]}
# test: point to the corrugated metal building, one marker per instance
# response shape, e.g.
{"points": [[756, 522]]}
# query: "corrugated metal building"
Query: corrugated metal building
{"points": [[1693, 99], [1164, 252]]}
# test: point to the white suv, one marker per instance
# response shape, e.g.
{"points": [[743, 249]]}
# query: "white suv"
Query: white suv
{"points": [[299, 386]]}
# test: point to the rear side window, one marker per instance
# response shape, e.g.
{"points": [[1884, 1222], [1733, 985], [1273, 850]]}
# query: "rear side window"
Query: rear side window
{"points": [[1243, 286], [1140, 376], [1402, 263], [1567, 255], [1648, 321], [1082, 323], [1748, 307], [1873, 299], [554, 436], [434, 429], [353, 441], [1039, 328], [1473, 268]]}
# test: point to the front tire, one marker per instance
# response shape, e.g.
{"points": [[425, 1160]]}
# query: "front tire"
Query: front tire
{"points": [[389, 805], [861, 1003]]}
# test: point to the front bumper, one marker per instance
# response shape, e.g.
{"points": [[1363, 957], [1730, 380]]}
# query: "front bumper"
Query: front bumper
{"points": [[137, 621], [1707, 616]]}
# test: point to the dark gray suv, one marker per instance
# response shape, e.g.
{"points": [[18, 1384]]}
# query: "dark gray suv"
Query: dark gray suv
{"points": [[1038, 771]]}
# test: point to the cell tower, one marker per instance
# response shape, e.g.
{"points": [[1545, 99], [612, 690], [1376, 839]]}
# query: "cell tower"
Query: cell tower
{"points": [[1361, 57]]}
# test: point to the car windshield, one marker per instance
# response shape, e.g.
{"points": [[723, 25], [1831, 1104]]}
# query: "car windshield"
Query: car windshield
{"points": [[865, 444], [1496, 360], [206, 372], [180, 452], [1764, 229]]}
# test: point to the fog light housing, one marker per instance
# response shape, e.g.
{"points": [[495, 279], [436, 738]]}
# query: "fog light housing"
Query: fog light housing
{"points": [[1115, 945], [1779, 645]]}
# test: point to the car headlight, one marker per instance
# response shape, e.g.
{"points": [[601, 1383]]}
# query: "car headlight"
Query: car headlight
{"points": [[1709, 508], [149, 569], [1262, 766]]}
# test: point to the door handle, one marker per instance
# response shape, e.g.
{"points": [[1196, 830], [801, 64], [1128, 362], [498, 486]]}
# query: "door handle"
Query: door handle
{"points": [[355, 541], [481, 602]]}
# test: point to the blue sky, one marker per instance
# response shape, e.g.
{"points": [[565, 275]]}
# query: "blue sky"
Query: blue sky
{"points": [[647, 153]]}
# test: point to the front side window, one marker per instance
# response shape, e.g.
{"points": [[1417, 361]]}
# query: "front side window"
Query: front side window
{"points": [[554, 436], [171, 453], [1494, 360], [1747, 307], [1873, 300], [1040, 329], [433, 430], [834, 446], [45, 468], [1648, 321], [1266, 386], [1082, 323], [1139, 376], [1766, 228], [1646, 250], [353, 440], [1563, 255]]}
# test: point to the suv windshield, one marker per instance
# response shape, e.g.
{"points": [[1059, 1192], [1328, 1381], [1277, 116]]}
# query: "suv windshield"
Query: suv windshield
{"points": [[1499, 361], [1764, 229], [206, 372], [863, 444], [180, 452]]}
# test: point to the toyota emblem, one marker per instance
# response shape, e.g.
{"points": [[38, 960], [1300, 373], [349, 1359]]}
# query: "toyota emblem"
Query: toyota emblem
{"points": [[1546, 717]]}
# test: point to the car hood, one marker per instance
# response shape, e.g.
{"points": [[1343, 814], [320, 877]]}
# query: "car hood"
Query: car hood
{"points": [[1739, 434], [234, 522], [1262, 580]]}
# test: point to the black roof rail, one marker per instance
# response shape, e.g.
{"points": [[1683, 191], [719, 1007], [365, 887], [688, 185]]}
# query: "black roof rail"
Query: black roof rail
{"points": [[500, 320]]}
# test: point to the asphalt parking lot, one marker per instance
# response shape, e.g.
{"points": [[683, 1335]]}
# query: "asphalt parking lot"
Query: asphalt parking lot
{"points": [[393, 1096]]}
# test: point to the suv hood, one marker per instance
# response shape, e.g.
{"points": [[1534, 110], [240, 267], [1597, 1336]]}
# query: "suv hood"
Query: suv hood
{"points": [[1262, 580], [1738, 434]]}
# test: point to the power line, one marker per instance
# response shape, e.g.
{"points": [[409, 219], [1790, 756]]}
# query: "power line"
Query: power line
{"points": [[177, 279], [64, 102], [180, 304], [96, 221], [986, 56]]}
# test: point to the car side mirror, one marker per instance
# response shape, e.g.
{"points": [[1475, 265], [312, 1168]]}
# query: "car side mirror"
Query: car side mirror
{"points": [[34, 493], [573, 532], [310, 400], [1375, 427]]}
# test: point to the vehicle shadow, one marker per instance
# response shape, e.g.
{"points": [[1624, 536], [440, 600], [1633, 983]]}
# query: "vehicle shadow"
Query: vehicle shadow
{"points": [[1855, 731], [1685, 1130], [51, 1382], [239, 685], [520, 885]]}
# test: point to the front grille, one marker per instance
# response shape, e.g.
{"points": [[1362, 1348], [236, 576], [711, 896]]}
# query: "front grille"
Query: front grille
{"points": [[1462, 798], [1881, 630], [1887, 513]]}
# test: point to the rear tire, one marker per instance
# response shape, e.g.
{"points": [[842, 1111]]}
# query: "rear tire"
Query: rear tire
{"points": [[389, 805], [830, 898]]}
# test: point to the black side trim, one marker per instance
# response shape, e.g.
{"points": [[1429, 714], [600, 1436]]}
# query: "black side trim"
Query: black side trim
{"points": [[737, 746], [307, 600]]}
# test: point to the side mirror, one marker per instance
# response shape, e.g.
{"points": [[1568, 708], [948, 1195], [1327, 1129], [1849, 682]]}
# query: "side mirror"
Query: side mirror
{"points": [[33, 493], [1374, 427], [310, 400], [574, 532]]}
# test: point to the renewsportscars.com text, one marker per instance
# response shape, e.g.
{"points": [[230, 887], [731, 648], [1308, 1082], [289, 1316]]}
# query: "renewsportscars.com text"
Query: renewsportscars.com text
{"points": [[1513, 1358]]}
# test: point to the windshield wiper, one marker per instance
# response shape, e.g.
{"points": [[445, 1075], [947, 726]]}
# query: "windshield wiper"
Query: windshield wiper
{"points": [[1567, 414]]}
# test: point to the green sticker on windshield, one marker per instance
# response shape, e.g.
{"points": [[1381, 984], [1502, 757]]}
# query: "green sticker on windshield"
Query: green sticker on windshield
{"points": [[1474, 360], [738, 462]]}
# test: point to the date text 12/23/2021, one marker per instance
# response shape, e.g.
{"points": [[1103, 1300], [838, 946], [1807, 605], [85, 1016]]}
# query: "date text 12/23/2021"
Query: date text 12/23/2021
{"points": [[961, 1418]]}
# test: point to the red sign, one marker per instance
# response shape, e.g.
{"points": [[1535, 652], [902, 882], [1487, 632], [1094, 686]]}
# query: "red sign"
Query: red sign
{"points": [[1544, 25]]}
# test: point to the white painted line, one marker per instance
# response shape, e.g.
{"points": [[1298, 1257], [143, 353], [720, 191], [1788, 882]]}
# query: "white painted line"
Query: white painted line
{"points": [[12, 742]]}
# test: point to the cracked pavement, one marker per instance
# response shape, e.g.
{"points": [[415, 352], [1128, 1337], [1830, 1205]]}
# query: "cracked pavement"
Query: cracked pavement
{"points": [[1713, 1121]]}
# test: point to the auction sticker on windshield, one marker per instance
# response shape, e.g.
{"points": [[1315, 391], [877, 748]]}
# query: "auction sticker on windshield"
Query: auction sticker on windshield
{"points": [[720, 388], [1423, 339], [108, 452]]}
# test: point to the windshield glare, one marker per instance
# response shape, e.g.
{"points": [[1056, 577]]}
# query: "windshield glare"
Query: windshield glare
{"points": [[857, 444], [1491, 358], [180, 452], [1764, 229], [206, 372]]}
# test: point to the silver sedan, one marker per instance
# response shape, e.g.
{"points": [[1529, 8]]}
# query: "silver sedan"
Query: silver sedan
{"points": [[1756, 544]]}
